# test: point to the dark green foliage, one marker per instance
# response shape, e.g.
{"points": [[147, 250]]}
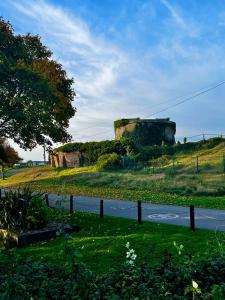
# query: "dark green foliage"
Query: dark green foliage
{"points": [[203, 144], [111, 161], [121, 123], [37, 215], [171, 279], [37, 280], [35, 93], [8, 156], [21, 210], [151, 152], [144, 133], [95, 149]]}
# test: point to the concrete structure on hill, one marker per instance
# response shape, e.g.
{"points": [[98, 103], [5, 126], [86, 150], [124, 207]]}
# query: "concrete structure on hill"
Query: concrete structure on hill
{"points": [[141, 131], [146, 131]]}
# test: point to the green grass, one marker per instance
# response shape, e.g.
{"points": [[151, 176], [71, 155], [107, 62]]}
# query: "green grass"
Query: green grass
{"points": [[180, 185], [153, 188], [102, 242]]}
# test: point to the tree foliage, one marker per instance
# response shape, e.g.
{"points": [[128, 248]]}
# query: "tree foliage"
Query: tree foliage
{"points": [[8, 155], [93, 150], [35, 93]]}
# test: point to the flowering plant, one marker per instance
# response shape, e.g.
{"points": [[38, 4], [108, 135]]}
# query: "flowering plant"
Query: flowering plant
{"points": [[130, 255]]}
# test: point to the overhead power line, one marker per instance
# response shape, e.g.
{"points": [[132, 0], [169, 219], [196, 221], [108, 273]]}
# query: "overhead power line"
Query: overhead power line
{"points": [[186, 99], [167, 101]]}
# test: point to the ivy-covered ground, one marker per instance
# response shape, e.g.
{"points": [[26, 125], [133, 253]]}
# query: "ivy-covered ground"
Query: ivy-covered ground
{"points": [[101, 242]]}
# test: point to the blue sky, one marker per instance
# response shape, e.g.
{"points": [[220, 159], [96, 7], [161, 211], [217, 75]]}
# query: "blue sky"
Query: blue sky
{"points": [[129, 56]]}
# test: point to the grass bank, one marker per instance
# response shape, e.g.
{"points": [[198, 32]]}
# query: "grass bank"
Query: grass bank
{"points": [[133, 185]]}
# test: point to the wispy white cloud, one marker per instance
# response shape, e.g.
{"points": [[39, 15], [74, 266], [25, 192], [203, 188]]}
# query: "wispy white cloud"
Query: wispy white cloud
{"points": [[112, 81], [177, 17]]}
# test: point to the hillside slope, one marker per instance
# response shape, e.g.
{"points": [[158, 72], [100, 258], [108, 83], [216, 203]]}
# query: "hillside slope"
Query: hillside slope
{"points": [[170, 181]]}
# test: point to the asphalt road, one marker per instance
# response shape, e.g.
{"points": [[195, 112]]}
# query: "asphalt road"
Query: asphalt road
{"points": [[168, 214], [14, 171]]}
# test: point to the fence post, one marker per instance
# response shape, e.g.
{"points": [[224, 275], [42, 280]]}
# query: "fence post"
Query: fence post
{"points": [[71, 204], [47, 200], [0, 194], [192, 217], [139, 212], [101, 209], [197, 165]]}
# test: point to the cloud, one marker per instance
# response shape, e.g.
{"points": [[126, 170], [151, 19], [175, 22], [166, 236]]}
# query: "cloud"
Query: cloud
{"points": [[94, 63], [117, 80], [178, 19]]}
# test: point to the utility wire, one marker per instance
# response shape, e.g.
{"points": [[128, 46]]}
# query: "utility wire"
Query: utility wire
{"points": [[164, 102], [188, 98], [201, 92]]}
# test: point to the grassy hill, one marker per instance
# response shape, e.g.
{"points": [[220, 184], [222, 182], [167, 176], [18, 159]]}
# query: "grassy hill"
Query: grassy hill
{"points": [[167, 179]]}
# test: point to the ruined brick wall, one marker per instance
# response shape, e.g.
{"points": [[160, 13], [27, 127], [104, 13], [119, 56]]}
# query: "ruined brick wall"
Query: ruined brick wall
{"points": [[68, 160]]}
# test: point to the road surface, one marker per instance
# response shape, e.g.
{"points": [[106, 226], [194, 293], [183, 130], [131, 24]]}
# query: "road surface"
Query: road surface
{"points": [[168, 214]]}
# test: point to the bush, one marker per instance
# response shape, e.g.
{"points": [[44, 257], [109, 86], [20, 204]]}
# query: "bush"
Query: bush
{"points": [[174, 278], [23, 210], [108, 162], [93, 150], [37, 215], [40, 280]]}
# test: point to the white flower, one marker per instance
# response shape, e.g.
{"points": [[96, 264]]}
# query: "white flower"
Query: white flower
{"points": [[130, 262], [127, 245], [194, 284], [133, 256]]}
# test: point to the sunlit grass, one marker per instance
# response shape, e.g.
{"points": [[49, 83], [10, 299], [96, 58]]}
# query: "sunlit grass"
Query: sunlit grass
{"points": [[181, 186], [102, 242]]}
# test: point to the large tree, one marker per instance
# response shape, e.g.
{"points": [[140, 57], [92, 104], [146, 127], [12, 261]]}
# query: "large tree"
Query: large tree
{"points": [[8, 155], [35, 93]]}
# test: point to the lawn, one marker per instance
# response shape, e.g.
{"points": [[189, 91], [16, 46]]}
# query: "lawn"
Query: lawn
{"points": [[101, 242]]}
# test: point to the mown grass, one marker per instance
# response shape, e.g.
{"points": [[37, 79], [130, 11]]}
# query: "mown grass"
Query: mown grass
{"points": [[101, 242]]}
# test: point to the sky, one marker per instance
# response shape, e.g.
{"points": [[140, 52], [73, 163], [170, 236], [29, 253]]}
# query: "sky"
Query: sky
{"points": [[132, 58]]}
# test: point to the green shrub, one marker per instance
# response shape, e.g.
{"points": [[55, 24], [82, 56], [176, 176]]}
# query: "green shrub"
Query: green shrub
{"points": [[95, 149], [40, 280], [37, 215], [110, 161], [22, 209], [178, 277]]}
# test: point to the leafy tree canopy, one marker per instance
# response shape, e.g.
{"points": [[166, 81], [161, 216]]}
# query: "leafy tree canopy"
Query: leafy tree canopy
{"points": [[35, 93], [8, 155]]}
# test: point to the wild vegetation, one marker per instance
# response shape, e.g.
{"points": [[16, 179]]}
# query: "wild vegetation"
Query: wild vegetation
{"points": [[21, 210], [167, 179], [115, 257]]}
